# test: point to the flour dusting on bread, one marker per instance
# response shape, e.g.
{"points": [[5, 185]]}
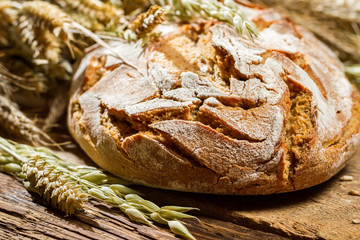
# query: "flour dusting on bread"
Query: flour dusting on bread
{"points": [[211, 111]]}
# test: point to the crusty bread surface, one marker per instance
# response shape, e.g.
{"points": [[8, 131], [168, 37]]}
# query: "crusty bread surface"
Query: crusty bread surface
{"points": [[203, 109]]}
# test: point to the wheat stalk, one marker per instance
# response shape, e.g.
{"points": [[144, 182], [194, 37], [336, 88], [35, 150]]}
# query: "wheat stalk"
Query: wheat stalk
{"points": [[57, 108], [16, 123], [5, 86], [228, 12], [353, 71], [67, 185], [34, 82]]}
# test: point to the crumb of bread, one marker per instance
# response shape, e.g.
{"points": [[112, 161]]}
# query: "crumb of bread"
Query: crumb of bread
{"points": [[346, 178], [354, 192]]}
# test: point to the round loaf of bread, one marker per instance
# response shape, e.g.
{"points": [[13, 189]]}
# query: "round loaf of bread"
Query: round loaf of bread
{"points": [[203, 109]]}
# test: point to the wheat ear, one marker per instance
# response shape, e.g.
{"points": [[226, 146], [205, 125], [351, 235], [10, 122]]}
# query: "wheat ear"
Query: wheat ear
{"points": [[16, 123], [95, 9], [42, 43], [57, 108], [8, 11], [56, 187], [8, 15], [146, 22], [228, 12], [48, 17], [34, 82], [353, 73], [67, 185]]}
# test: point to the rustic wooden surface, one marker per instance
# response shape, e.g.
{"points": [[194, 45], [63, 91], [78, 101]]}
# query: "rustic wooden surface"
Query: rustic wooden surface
{"points": [[326, 211]]}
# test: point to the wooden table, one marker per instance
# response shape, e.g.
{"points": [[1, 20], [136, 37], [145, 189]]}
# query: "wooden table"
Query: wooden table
{"points": [[326, 211]]}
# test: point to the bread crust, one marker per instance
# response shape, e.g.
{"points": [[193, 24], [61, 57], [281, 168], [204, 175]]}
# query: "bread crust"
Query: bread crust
{"points": [[209, 111]]}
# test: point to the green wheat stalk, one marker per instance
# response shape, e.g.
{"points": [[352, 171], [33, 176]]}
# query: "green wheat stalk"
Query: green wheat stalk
{"points": [[66, 186]]}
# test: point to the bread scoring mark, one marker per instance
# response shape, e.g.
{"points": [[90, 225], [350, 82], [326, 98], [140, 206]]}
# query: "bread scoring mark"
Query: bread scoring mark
{"points": [[94, 72], [237, 123], [118, 127], [236, 54], [299, 130], [290, 44], [322, 67], [221, 153]]}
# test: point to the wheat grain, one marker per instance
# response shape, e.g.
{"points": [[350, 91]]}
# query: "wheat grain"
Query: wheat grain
{"points": [[354, 192], [179, 229], [48, 17], [37, 19], [346, 178], [9, 165], [45, 17], [8, 12]]}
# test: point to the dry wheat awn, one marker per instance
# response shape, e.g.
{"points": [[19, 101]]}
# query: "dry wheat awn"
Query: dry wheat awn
{"points": [[66, 186]]}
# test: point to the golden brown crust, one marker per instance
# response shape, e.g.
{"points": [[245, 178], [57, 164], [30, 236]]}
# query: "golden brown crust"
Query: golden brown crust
{"points": [[209, 111]]}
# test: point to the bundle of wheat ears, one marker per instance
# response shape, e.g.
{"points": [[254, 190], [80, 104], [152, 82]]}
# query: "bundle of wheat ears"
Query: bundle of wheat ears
{"points": [[41, 40]]}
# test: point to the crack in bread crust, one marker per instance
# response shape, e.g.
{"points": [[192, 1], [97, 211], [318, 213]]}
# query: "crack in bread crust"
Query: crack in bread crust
{"points": [[220, 113]]}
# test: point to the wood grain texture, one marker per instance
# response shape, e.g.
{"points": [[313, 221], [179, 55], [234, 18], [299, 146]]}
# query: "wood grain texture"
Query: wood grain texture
{"points": [[325, 211], [322, 212], [24, 215]]}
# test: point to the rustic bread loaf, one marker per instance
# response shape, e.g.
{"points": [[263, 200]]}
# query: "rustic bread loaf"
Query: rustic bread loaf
{"points": [[206, 110]]}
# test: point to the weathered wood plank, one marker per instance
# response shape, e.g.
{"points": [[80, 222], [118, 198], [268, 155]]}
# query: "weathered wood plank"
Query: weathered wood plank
{"points": [[322, 212], [25, 216], [326, 211]]}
